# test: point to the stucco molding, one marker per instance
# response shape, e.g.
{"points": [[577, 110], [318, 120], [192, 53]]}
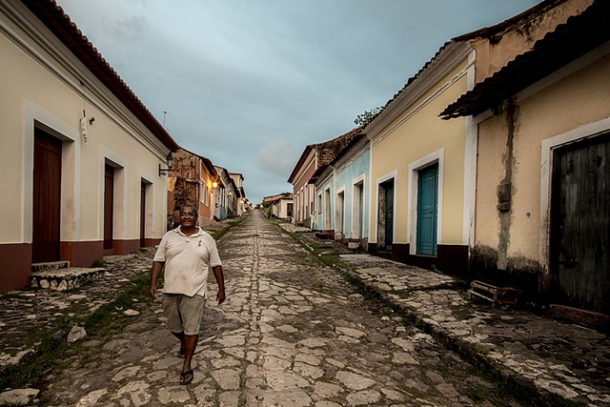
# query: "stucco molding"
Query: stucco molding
{"points": [[150, 200], [441, 66], [79, 79], [339, 191], [386, 177], [360, 179], [577, 134], [470, 164], [35, 116], [414, 168], [114, 159]]}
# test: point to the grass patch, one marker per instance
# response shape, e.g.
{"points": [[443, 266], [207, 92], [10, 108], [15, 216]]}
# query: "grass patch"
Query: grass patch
{"points": [[218, 233], [52, 350]]}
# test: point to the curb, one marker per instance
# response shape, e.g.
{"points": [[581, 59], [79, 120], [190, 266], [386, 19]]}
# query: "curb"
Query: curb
{"points": [[526, 388]]}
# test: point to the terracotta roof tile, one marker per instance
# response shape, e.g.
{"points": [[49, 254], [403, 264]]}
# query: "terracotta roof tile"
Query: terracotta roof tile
{"points": [[53, 16]]}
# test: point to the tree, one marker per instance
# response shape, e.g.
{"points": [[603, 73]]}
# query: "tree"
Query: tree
{"points": [[365, 118]]}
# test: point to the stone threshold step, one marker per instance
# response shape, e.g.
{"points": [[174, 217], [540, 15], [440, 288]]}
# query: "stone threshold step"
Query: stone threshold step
{"points": [[64, 278], [50, 265]]}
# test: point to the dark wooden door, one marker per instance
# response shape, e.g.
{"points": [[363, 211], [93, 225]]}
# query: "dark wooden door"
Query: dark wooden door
{"points": [[388, 207], [580, 224], [47, 197], [108, 205], [142, 214], [427, 203]]}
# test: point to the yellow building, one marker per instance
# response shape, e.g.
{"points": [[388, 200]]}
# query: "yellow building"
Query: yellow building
{"points": [[80, 155], [417, 166], [542, 217], [423, 169]]}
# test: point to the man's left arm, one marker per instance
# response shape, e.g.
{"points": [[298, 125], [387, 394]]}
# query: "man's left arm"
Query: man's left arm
{"points": [[220, 279]]}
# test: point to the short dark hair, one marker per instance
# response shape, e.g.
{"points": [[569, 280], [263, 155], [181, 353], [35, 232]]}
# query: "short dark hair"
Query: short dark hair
{"points": [[193, 207]]}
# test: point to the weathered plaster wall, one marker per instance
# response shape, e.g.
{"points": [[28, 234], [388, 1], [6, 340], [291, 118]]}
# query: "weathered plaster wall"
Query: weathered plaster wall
{"points": [[505, 46], [581, 98]]}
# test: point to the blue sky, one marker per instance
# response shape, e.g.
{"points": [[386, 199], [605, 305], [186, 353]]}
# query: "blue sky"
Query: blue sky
{"points": [[249, 83]]}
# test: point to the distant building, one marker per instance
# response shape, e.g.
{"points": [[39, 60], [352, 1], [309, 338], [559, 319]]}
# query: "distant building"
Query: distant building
{"points": [[192, 181], [313, 157], [342, 189]]}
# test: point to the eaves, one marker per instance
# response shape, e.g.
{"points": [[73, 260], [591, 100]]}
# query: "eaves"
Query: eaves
{"points": [[445, 61]]}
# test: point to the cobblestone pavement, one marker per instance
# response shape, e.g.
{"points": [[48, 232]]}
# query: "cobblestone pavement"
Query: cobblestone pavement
{"points": [[292, 333], [558, 362]]}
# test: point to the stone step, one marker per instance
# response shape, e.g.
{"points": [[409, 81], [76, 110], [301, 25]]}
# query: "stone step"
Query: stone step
{"points": [[50, 265], [64, 278]]}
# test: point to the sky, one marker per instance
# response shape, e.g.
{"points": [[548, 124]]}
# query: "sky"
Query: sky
{"points": [[250, 83]]}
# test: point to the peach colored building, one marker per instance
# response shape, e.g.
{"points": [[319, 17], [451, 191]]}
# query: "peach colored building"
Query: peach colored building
{"points": [[542, 206]]}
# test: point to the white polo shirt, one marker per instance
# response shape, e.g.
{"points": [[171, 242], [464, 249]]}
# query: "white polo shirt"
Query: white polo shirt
{"points": [[187, 261]]}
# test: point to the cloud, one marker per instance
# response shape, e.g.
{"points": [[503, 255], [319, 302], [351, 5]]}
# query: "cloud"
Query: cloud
{"points": [[277, 157]]}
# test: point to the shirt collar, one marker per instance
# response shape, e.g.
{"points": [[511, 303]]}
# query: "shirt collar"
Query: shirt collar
{"points": [[197, 233]]}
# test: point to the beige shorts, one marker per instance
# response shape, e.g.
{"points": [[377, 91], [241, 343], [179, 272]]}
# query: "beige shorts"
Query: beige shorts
{"points": [[183, 313]]}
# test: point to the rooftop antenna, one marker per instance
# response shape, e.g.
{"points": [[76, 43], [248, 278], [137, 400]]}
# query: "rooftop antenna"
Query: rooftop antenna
{"points": [[164, 113]]}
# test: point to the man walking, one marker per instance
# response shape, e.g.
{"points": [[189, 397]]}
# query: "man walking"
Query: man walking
{"points": [[187, 253]]}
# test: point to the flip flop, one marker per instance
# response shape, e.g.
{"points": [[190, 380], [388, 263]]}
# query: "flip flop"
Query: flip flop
{"points": [[186, 377]]}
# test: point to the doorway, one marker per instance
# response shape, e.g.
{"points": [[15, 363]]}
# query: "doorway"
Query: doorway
{"points": [[108, 206], [142, 214], [47, 197], [427, 204], [385, 218], [580, 221]]}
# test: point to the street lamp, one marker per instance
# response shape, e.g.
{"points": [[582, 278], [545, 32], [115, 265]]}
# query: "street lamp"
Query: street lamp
{"points": [[170, 162]]}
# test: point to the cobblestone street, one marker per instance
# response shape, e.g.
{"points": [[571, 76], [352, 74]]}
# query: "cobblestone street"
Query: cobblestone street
{"points": [[292, 333]]}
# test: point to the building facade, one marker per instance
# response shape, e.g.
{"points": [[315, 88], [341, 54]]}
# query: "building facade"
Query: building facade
{"points": [[81, 154], [342, 195], [192, 181], [543, 189], [312, 159]]}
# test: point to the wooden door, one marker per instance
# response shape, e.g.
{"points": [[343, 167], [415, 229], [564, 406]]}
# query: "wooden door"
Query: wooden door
{"points": [[389, 214], [427, 203], [47, 197], [385, 214], [142, 214], [580, 224], [108, 205]]}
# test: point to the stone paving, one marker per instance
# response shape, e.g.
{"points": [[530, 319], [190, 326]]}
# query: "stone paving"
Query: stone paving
{"points": [[546, 356], [292, 333]]}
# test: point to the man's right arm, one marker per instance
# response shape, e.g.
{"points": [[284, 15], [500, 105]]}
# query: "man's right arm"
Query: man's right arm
{"points": [[154, 275]]}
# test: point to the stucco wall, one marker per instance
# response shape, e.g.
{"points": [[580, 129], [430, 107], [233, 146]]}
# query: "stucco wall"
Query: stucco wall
{"points": [[320, 223], [357, 168], [422, 134], [577, 100], [492, 56], [45, 93]]}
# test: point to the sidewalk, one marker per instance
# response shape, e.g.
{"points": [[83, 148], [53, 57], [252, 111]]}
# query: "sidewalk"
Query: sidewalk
{"points": [[26, 315], [552, 361]]}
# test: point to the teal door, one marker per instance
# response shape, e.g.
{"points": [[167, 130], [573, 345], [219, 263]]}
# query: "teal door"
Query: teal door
{"points": [[427, 203]]}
